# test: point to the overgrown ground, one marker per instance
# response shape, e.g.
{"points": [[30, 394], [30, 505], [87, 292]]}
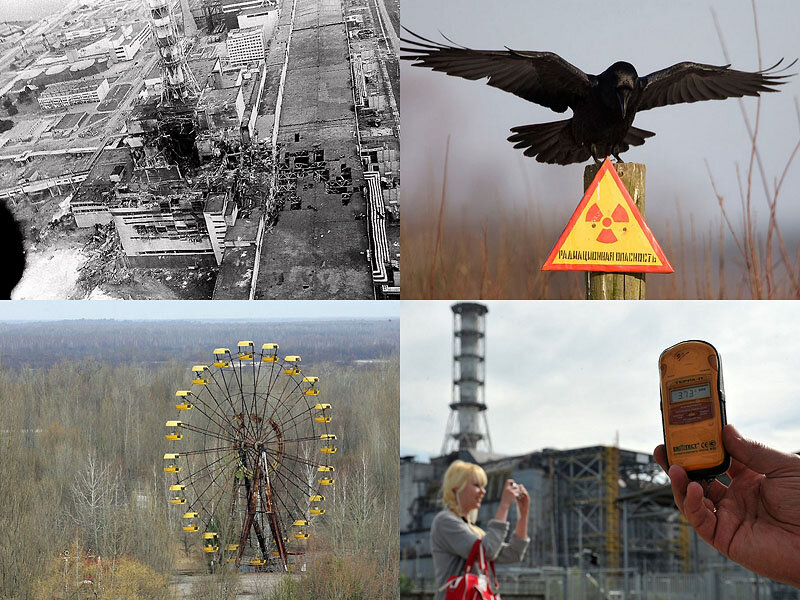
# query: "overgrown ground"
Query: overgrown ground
{"points": [[742, 253], [84, 509]]}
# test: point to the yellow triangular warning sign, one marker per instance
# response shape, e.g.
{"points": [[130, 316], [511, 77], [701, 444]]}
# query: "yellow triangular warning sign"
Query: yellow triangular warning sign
{"points": [[607, 233]]}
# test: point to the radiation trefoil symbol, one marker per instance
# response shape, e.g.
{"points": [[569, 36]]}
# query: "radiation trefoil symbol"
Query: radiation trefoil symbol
{"points": [[606, 235]]}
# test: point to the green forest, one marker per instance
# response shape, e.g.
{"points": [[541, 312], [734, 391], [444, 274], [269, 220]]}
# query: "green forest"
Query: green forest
{"points": [[85, 511]]}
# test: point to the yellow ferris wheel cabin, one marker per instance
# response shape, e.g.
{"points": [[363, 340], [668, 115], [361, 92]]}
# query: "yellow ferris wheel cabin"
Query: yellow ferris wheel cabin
{"points": [[245, 350], [222, 357], [269, 353]]}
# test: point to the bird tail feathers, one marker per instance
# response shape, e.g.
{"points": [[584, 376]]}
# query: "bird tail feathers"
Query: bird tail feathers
{"points": [[554, 143], [549, 143]]}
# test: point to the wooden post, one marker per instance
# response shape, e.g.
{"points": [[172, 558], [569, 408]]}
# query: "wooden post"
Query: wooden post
{"points": [[618, 286]]}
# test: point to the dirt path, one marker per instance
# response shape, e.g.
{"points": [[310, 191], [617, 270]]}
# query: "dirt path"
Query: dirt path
{"points": [[251, 585]]}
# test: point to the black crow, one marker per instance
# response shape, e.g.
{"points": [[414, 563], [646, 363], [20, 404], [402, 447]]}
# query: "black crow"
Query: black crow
{"points": [[603, 106]]}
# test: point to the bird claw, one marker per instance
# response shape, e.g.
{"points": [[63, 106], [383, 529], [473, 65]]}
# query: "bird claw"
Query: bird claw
{"points": [[619, 160]]}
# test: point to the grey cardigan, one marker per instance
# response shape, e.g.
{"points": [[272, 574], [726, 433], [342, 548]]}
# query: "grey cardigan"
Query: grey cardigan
{"points": [[452, 539]]}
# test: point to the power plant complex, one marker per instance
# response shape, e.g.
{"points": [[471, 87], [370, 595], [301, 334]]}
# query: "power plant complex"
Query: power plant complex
{"points": [[603, 522], [262, 146]]}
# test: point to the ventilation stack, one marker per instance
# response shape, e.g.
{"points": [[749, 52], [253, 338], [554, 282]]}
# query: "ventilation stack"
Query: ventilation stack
{"points": [[467, 428], [189, 25], [178, 82]]}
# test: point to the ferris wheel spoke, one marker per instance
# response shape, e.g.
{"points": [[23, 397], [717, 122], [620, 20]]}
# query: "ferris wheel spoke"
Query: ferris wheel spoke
{"points": [[224, 392], [217, 409], [271, 380], [220, 494], [221, 427], [279, 399], [214, 478], [256, 374], [301, 460], [282, 400], [292, 421], [239, 383], [206, 451], [207, 467], [196, 479], [228, 395], [309, 438], [206, 432], [304, 488], [212, 514]]}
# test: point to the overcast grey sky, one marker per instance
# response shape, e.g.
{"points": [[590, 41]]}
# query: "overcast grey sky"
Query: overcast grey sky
{"points": [[573, 374], [487, 176]]}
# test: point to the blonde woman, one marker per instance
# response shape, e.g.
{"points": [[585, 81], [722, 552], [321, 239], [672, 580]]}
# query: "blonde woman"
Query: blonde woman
{"points": [[454, 531]]}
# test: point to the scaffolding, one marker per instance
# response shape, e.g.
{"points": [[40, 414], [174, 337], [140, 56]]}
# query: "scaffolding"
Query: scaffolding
{"points": [[178, 82], [588, 489], [610, 507]]}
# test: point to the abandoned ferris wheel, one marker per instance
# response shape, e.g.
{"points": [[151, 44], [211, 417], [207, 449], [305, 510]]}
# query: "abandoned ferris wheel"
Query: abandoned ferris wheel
{"points": [[251, 456]]}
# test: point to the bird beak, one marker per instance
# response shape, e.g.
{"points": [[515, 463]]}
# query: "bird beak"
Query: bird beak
{"points": [[623, 97]]}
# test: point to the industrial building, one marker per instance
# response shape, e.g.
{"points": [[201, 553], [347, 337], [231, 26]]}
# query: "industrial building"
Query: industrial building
{"points": [[129, 41], [242, 150], [603, 523], [232, 8], [246, 46], [67, 93], [263, 16]]}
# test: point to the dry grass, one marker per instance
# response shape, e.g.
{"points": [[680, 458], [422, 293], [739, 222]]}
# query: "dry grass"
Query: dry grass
{"points": [[734, 256]]}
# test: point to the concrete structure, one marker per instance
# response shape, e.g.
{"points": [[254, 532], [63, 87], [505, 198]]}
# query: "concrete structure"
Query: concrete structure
{"points": [[85, 32], [246, 46], [178, 82], [598, 506], [90, 203], [228, 113], [264, 16], [160, 218], [60, 95], [467, 426], [232, 8], [128, 42]]}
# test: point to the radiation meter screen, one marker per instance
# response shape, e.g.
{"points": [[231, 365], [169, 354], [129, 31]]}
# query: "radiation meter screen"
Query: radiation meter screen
{"points": [[691, 393]]}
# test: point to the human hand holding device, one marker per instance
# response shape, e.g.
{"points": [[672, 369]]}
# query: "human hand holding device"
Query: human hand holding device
{"points": [[523, 500], [754, 521], [509, 494]]}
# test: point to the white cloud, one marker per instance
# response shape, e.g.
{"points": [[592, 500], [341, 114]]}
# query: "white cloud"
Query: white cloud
{"points": [[572, 374]]}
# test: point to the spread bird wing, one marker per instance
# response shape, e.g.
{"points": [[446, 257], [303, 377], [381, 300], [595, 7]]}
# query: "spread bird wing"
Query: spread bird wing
{"points": [[692, 82], [541, 77]]}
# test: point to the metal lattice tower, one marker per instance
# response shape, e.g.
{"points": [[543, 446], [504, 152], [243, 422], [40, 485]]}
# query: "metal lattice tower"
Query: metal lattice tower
{"points": [[610, 498], [189, 25], [603, 496], [179, 84], [467, 426]]}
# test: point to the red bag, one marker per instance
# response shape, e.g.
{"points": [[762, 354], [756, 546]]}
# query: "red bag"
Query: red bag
{"points": [[470, 586]]}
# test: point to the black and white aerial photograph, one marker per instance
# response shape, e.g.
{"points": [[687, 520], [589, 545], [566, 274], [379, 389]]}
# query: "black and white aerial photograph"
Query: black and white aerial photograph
{"points": [[200, 149]]}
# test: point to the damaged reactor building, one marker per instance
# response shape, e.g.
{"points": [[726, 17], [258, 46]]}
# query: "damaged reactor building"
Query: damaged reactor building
{"points": [[268, 152]]}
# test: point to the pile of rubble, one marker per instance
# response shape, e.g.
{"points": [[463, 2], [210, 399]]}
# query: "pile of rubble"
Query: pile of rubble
{"points": [[106, 261]]}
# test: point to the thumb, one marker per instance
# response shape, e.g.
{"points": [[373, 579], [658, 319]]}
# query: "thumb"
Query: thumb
{"points": [[758, 457]]}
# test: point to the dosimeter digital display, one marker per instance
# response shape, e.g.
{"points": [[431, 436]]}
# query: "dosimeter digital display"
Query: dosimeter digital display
{"points": [[693, 408]]}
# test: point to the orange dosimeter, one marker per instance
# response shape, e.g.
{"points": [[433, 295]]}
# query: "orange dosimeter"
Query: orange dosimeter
{"points": [[693, 408]]}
